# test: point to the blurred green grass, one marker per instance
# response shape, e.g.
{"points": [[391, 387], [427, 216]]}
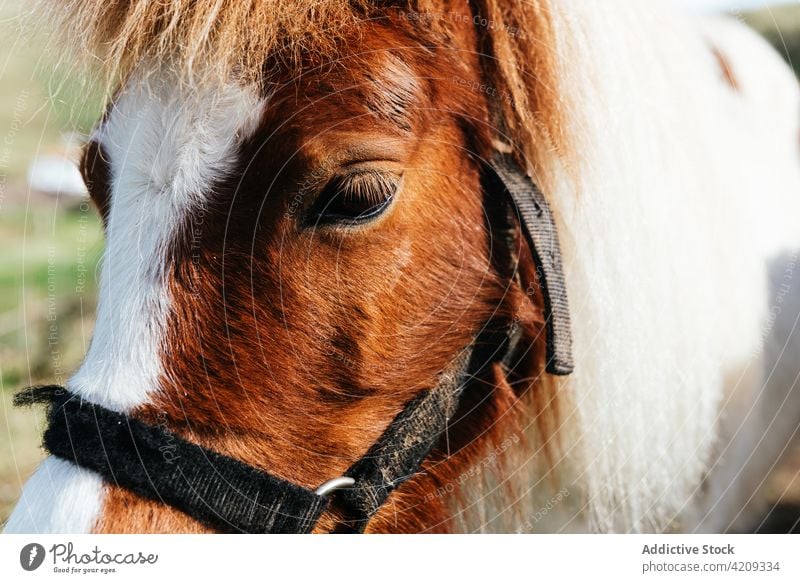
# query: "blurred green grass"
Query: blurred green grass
{"points": [[47, 279], [48, 295]]}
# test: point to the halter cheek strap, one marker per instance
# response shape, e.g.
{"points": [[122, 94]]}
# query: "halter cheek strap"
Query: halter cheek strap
{"points": [[529, 208], [411, 436]]}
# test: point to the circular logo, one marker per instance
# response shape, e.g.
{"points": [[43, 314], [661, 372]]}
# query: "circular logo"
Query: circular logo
{"points": [[31, 556]]}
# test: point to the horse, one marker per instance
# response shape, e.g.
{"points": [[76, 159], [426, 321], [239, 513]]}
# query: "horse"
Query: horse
{"points": [[307, 235]]}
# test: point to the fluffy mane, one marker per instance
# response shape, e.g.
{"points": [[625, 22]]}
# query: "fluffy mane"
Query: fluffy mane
{"points": [[217, 39], [202, 38]]}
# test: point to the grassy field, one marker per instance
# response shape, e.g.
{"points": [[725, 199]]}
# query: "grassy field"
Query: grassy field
{"points": [[47, 301]]}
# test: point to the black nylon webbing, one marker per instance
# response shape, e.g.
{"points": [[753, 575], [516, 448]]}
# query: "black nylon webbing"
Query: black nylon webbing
{"points": [[217, 490], [404, 445], [539, 228], [227, 494]]}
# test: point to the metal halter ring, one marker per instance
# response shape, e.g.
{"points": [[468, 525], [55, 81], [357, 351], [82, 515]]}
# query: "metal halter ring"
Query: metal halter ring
{"points": [[333, 485]]}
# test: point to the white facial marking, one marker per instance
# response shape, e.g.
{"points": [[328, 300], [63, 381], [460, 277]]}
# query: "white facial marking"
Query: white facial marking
{"points": [[166, 147], [60, 497]]}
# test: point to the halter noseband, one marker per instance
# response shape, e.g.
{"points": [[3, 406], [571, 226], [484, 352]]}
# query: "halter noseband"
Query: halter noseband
{"points": [[231, 496]]}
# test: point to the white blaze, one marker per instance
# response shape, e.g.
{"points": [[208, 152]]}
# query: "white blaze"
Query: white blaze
{"points": [[166, 144]]}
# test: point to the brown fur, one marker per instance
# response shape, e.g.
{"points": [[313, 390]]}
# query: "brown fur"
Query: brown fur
{"points": [[292, 349], [95, 172]]}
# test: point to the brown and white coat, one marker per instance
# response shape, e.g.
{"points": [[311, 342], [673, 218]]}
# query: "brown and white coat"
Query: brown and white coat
{"points": [[291, 349]]}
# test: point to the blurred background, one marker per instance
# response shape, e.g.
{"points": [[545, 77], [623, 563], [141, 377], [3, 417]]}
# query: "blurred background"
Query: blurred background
{"points": [[51, 237]]}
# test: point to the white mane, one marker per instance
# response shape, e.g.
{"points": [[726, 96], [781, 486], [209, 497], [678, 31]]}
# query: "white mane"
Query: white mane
{"points": [[687, 191]]}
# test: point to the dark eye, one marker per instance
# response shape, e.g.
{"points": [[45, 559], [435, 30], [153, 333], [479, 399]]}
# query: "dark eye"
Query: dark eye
{"points": [[354, 198]]}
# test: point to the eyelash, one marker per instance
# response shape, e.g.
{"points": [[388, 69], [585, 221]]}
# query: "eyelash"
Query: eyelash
{"points": [[353, 198]]}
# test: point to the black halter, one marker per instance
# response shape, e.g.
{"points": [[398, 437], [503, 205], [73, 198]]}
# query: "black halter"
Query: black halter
{"points": [[231, 496]]}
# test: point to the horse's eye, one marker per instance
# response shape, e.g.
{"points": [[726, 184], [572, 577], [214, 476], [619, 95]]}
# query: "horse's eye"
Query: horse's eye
{"points": [[354, 198]]}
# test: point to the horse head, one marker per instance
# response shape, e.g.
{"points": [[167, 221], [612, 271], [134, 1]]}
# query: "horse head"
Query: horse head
{"points": [[294, 254]]}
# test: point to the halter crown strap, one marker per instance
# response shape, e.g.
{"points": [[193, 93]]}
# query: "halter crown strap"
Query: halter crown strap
{"points": [[408, 440]]}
